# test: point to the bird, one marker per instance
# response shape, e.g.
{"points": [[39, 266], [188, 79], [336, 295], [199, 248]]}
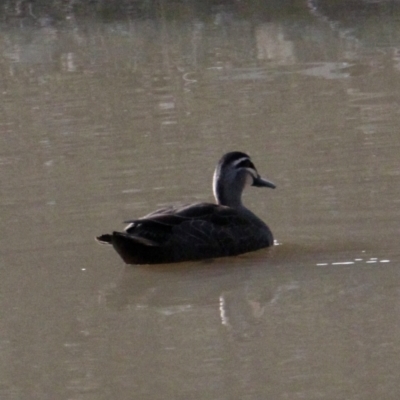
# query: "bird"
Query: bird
{"points": [[200, 230]]}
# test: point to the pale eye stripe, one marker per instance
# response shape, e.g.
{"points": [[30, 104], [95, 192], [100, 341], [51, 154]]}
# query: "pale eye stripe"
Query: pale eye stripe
{"points": [[253, 172], [240, 160]]}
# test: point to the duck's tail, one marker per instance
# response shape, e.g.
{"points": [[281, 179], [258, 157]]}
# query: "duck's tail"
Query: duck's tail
{"points": [[133, 249]]}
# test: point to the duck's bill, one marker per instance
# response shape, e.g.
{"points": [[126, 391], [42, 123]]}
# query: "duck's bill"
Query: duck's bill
{"points": [[261, 182]]}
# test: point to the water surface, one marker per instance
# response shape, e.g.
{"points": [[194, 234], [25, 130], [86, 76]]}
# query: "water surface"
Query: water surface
{"points": [[106, 120]]}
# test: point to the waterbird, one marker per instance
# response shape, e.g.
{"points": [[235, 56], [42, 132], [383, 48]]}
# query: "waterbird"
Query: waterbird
{"points": [[201, 230]]}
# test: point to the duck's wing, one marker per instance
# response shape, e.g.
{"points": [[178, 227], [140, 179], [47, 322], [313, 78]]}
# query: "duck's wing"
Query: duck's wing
{"points": [[160, 226]]}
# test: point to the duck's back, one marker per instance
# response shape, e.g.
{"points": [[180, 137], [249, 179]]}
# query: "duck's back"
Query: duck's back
{"points": [[191, 232]]}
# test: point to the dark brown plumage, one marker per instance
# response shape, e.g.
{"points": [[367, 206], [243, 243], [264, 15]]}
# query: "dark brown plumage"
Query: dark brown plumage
{"points": [[201, 230]]}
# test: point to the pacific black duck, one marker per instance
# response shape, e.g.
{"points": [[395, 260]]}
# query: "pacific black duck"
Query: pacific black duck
{"points": [[200, 230]]}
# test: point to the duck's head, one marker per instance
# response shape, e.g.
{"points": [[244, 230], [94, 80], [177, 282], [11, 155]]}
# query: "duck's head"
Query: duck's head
{"points": [[233, 173]]}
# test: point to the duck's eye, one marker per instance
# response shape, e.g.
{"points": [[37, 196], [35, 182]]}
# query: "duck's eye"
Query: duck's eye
{"points": [[246, 163]]}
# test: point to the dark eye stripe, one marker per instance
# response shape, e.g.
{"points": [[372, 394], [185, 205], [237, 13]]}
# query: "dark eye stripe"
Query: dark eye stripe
{"points": [[246, 164]]}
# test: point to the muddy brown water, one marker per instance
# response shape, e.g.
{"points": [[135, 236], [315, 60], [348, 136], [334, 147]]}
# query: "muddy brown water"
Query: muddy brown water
{"points": [[106, 121]]}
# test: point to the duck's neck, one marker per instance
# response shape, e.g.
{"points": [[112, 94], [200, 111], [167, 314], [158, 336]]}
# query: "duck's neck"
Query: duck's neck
{"points": [[232, 197], [236, 203], [227, 195], [229, 199]]}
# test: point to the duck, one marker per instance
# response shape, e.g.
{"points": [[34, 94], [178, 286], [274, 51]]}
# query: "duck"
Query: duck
{"points": [[201, 230]]}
